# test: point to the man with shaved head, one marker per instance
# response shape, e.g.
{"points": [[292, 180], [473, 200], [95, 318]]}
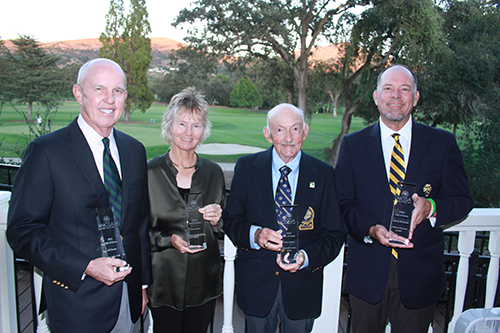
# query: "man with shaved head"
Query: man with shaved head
{"points": [[392, 278], [61, 189]]}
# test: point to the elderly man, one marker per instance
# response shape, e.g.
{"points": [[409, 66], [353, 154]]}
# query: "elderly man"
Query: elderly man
{"points": [[66, 180], [400, 279], [269, 286]]}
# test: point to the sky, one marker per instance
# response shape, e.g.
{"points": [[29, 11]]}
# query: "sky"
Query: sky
{"points": [[59, 20]]}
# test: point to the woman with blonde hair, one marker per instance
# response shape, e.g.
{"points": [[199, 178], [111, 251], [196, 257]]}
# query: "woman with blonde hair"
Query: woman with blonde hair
{"points": [[186, 281]]}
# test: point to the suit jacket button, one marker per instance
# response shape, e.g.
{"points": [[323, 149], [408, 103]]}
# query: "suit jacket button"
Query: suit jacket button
{"points": [[277, 273]]}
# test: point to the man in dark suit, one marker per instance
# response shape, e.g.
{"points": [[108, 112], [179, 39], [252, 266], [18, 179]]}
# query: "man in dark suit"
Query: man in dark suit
{"points": [[267, 288], [52, 218], [406, 282]]}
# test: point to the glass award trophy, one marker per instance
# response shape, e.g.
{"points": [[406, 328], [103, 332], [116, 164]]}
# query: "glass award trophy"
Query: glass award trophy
{"points": [[196, 237], [291, 235], [109, 234], [401, 214]]}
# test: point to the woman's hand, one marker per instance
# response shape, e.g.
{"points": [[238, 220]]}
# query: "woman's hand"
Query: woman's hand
{"points": [[211, 213], [181, 245]]}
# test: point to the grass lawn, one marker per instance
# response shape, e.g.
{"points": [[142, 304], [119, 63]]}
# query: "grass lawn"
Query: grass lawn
{"points": [[229, 126]]}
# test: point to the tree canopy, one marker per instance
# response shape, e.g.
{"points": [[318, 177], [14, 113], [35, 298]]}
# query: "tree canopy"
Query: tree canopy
{"points": [[245, 95], [30, 75], [265, 29], [125, 41]]}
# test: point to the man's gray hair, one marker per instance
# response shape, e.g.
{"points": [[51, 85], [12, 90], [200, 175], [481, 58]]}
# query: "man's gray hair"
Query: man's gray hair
{"points": [[274, 112]]}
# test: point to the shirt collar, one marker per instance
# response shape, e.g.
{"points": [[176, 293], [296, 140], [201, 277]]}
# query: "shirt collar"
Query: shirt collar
{"points": [[405, 131], [293, 164], [93, 138]]}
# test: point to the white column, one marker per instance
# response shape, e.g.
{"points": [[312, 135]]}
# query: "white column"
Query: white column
{"points": [[492, 280], [42, 326], [466, 241], [8, 316], [229, 276], [328, 321]]}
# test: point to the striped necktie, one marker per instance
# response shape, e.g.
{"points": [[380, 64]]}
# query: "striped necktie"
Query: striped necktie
{"points": [[283, 198], [397, 172], [112, 182]]}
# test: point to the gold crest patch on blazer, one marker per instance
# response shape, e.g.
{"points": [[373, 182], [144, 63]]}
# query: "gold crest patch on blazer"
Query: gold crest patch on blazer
{"points": [[308, 222]]}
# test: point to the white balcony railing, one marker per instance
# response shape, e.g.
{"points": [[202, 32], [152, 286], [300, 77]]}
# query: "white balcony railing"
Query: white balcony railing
{"points": [[478, 220]]}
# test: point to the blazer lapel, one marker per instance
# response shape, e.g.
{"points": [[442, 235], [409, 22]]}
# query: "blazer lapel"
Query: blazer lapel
{"points": [[417, 149], [263, 186], [374, 144], [124, 151], [79, 149], [303, 194]]}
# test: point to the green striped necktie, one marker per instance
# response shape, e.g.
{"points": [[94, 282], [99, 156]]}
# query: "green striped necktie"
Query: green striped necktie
{"points": [[112, 182]]}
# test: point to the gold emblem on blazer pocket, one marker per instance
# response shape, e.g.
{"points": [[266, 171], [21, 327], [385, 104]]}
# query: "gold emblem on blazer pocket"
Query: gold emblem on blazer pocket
{"points": [[308, 222]]}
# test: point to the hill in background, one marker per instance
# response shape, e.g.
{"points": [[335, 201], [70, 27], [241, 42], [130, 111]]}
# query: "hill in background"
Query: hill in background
{"points": [[82, 50]]}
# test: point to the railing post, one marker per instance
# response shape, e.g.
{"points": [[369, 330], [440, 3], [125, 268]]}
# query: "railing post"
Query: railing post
{"points": [[229, 278], [328, 321], [466, 241], [479, 219], [492, 280], [8, 315], [41, 318]]}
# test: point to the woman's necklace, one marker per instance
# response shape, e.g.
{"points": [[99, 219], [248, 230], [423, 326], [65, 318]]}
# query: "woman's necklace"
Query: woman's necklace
{"points": [[182, 167]]}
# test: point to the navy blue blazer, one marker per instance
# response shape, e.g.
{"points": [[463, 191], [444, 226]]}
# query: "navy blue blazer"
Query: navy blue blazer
{"points": [[52, 223], [321, 235], [365, 200]]}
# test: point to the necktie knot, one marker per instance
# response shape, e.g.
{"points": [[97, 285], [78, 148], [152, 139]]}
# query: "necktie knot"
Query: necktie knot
{"points": [[395, 136], [105, 141], [285, 170]]}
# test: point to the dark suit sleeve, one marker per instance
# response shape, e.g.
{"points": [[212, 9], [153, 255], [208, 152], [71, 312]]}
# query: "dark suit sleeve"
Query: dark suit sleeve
{"points": [[454, 201], [236, 225], [324, 245], [147, 278], [359, 222], [29, 216]]}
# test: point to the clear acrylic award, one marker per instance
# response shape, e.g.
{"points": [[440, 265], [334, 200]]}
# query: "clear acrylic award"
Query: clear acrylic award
{"points": [[290, 235], [109, 234], [196, 236], [401, 214]]}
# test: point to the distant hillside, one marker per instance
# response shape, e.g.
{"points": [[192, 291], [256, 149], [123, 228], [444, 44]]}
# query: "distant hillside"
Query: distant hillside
{"points": [[82, 50]]}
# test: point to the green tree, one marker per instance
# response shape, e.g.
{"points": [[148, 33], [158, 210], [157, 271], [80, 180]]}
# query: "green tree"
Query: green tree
{"points": [[219, 90], [265, 29], [389, 32], [137, 58], [195, 69], [462, 88], [69, 76], [3, 70], [245, 95], [467, 69], [32, 76], [112, 37], [125, 41]]}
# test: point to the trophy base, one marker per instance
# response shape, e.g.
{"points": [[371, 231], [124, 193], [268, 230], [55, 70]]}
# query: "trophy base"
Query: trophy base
{"points": [[198, 247]]}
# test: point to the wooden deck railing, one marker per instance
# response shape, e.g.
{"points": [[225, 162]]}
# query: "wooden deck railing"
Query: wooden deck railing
{"points": [[479, 220]]}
